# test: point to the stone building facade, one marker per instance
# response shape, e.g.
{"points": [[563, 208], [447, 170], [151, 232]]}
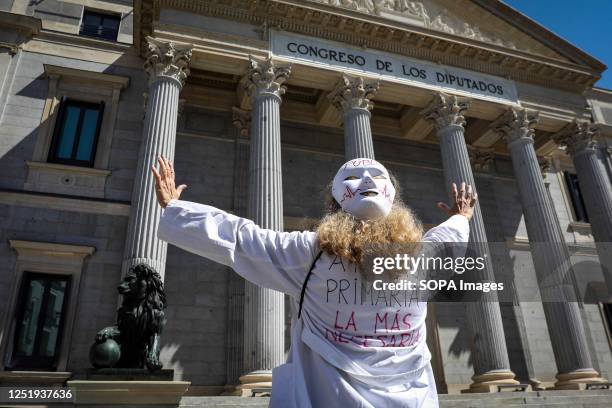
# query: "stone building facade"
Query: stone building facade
{"points": [[258, 103]]}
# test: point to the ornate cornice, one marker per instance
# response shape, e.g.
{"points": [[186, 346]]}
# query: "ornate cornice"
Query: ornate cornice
{"points": [[111, 80], [145, 11], [351, 27], [577, 137], [264, 77], [353, 93], [167, 59], [446, 110], [516, 125]]}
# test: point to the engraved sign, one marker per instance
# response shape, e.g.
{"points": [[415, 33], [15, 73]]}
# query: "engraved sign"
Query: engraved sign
{"points": [[392, 67]]}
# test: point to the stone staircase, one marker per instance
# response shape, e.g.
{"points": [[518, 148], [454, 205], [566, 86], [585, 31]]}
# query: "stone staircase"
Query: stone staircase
{"points": [[548, 399], [545, 399], [224, 402]]}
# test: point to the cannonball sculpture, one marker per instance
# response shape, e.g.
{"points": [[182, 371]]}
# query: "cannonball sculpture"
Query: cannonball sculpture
{"points": [[105, 354]]}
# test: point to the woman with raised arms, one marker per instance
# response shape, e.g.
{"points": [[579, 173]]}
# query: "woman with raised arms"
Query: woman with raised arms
{"points": [[345, 352]]}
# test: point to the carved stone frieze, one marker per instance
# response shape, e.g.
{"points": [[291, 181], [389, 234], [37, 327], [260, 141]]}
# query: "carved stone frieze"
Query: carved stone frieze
{"points": [[167, 59], [313, 17], [353, 93], [439, 20]]}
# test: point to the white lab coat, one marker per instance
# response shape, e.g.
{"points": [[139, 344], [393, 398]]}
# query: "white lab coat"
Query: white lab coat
{"points": [[353, 346]]}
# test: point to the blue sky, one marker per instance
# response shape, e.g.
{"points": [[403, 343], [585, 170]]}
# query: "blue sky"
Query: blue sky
{"points": [[586, 24]]}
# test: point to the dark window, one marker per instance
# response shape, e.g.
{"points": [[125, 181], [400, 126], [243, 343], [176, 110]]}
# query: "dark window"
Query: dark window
{"points": [[76, 133], [100, 25], [40, 319], [577, 201]]}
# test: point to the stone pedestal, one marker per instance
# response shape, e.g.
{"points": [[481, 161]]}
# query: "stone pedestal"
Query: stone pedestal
{"points": [[128, 374], [34, 378], [577, 380], [491, 381], [107, 387], [128, 393], [254, 380]]}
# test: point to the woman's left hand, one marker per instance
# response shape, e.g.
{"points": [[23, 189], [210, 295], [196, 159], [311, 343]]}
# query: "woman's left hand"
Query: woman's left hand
{"points": [[165, 187], [464, 201]]}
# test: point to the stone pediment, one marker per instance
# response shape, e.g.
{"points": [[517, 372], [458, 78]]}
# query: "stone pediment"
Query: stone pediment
{"points": [[462, 18], [480, 35]]}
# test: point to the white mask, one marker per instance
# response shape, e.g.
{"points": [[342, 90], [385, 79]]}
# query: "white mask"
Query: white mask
{"points": [[363, 189]]}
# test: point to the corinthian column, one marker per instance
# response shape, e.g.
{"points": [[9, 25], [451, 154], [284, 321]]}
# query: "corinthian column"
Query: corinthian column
{"points": [[264, 309], [490, 355], [550, 254], [579, 139], [352, 97], [166, 67]]}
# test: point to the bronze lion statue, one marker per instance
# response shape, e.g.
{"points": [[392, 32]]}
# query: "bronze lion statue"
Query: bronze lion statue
{"points": [[140, 320]]}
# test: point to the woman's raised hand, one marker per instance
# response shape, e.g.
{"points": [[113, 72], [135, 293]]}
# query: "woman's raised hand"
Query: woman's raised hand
{"points": [[165, 188], [464, 201]]}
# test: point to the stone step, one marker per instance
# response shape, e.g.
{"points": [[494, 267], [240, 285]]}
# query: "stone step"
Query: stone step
{"points": [[193, 402], [556, 399], [540, 399]]}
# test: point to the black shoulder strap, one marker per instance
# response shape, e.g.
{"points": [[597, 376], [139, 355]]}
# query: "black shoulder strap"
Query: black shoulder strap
{"points": [[306, 283]]}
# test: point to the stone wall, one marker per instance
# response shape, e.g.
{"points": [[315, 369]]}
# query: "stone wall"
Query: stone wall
{"points": [[97, 299], [35, 221], [65, 16]]}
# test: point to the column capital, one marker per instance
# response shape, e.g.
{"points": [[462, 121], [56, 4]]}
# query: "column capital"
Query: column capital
{"points": [[264, 77], [577, 137], [481, 158], [516, 124], [446, 110], [353, 93], [242, 120], [167, 59]]}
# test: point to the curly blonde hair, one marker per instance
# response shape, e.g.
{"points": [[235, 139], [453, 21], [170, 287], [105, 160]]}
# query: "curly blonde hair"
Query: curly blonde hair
{"points": [[339, 233]]}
